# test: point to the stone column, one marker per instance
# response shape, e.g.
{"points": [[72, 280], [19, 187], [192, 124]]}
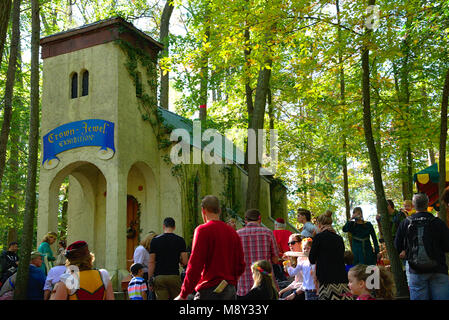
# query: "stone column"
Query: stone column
{"points": [[47, 218], [116, 225]]}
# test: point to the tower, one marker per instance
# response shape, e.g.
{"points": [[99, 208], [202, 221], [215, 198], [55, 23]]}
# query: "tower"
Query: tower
{"points": [[92, 132]]}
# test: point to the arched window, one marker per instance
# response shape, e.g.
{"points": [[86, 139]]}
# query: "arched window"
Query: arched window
{"points": [[85, 86], [74, 85]]}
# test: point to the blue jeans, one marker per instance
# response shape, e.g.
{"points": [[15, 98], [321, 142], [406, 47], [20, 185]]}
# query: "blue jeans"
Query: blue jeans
{"points": [[429, 286]]}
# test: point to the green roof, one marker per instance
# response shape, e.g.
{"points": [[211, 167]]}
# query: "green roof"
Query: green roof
{"points": [[175, 121]]}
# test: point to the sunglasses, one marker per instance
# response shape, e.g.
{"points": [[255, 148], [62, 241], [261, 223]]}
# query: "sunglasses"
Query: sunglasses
{"points": [[293, 242]]}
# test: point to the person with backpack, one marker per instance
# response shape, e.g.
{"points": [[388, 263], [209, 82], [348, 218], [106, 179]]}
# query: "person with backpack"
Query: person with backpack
{"points": [[425, 240]]}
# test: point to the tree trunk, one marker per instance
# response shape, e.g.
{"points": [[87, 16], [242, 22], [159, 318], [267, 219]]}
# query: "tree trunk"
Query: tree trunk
{"points": [[9, 89], [396, 265], [443, 139], [409, 170], [257, 122], [427, 115], [5, 12], [13, 161], [248, 90], [431, 155], [14, 191], [404, 102], [204, 68], [164, 39], [270, 109], [47, 27], [12, 234], [33, 144], [69, 14], [204, 83], [343, 102]]}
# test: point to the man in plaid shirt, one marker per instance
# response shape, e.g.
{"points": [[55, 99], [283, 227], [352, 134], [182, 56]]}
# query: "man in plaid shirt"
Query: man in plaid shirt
{"points": [[258, 244]]}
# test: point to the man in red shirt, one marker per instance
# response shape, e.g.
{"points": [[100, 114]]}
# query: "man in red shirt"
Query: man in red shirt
{"points": [[217, 255], [281, 235], [258, 244]]}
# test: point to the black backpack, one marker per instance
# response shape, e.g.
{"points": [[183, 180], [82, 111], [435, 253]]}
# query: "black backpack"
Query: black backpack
{"points": [[419, 257]]}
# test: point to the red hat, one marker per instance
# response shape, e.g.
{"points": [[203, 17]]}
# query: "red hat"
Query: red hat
{"points": [[77, 249], [280, 220]]}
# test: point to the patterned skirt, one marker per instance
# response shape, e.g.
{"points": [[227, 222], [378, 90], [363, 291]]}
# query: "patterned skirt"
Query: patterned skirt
{"points": [[334, 291]]}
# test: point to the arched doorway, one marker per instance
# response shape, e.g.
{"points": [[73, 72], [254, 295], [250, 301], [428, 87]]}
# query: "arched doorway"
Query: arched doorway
{"points": [[132, 228], [142, 206], [75, 205]]}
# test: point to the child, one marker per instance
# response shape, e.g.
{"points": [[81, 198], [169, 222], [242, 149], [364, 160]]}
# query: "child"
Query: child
{"points": [[308, 271], [61, 247], [264, 287], [358, 277], [408, 208], [137, 288]]}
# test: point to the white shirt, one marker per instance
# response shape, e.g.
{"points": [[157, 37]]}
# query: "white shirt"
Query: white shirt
{"points": [[53, 276], [141, 255], [297, 272], [307, 273]]}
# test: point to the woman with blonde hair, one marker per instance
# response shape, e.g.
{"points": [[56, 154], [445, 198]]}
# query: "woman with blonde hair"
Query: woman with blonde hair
{"points": [[84, 282], [291, 267], [142, 256], [47, 253], [327, 252]]}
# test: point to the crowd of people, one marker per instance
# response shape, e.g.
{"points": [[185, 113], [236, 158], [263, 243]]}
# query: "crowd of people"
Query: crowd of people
{"points": [[253, 262]]}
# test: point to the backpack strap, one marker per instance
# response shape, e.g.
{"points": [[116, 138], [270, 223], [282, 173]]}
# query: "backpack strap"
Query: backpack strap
{"points": [[410, 220]]}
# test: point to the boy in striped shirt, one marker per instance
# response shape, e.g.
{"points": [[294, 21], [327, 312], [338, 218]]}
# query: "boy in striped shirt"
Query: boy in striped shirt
{"points": [[137, 287]]}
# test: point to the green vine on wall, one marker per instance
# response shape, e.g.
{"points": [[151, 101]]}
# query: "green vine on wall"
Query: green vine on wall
{"points": [[147, 103], [230, 205], [150, 112]]}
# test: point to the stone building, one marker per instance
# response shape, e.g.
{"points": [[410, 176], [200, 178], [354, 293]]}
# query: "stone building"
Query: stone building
{"points": [[102, 129]]}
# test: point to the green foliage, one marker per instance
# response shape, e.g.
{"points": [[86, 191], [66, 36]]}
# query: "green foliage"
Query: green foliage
{"points": [[408, 57], [309, 115]]}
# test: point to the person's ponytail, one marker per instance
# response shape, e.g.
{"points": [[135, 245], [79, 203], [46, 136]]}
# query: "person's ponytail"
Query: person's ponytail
{"points": [[325, 218]]}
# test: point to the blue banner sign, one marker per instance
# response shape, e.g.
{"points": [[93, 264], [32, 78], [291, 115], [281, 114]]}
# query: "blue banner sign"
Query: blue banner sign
{"points": [[92, 132]]}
